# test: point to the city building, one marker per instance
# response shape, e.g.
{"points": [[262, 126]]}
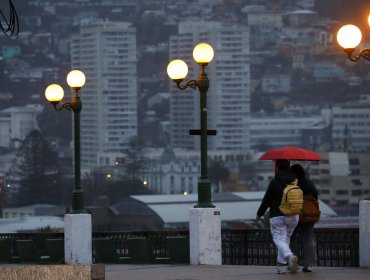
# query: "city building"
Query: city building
{"points": [[170, 175], [343, 179], [280, 129], [106, 52], [34, 210], [351, 127], [156, 212], [16, 123], [229, 93]]}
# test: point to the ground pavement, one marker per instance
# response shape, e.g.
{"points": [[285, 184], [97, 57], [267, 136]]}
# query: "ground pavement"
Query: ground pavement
{"points": [[227, 272]]}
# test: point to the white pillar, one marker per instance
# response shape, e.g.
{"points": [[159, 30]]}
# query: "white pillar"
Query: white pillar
{"points": [[205, 236], [364, 233], [77, 239]]}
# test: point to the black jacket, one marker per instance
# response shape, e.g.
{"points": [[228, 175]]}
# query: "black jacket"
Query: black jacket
{"points": [[274, 193], [308, 187]]}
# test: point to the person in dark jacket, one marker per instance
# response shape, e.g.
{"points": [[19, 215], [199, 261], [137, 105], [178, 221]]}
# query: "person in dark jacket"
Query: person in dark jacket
{"points": [[306, 229], [281, 226]]}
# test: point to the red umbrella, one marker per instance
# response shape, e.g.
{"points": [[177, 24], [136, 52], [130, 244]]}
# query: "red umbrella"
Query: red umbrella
{"points": [[290, 153]]}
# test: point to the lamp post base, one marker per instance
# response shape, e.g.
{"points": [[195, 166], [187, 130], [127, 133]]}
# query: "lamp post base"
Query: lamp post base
{"points": [[205, 236], [77, 239]]}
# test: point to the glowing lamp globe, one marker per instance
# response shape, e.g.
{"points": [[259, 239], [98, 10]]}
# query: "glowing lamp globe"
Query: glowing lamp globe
{"points": [[177, 69], [76, 79], [368, 19], [54, 93], [349, 36], [203, 53]]}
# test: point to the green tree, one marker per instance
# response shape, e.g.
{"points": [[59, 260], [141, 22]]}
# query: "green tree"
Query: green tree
{"points": [[134, 161], [55, 125], [218, 173], [33, 176]]}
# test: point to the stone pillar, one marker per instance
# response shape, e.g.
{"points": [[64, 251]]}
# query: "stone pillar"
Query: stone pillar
{"points": [[77, 239], [364, 232], [205, 236]]}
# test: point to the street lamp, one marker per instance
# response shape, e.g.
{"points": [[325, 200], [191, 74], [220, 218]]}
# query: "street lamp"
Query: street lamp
{"points": [[54, 94], [349, 37], [177, 70]]}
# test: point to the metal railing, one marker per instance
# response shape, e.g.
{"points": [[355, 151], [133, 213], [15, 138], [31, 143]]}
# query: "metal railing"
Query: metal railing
{"points": [[335, 247]]}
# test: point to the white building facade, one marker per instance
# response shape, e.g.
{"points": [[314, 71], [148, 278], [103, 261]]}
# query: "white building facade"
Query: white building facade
{"points": [[177, 177], [278, 130], [351, 127], [106, 53], [228, 97], [16, 123]]}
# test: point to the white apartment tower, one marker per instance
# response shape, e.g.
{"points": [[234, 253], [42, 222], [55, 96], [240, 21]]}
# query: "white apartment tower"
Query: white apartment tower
{"points": [[106, 52], [228, 97]]}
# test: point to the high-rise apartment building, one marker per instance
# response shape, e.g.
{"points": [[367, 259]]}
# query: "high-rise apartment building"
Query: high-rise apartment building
{"points": [[106, 53], [351, 127], [229, 93]]}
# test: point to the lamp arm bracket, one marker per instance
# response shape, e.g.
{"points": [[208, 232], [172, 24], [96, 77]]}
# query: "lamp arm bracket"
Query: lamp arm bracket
{"points": [[192, 83], [365, 53], [66, 105]]}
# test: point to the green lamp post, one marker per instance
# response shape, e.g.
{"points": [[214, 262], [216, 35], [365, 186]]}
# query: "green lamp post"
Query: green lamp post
{"points": [[177, 70], [54, 94]]}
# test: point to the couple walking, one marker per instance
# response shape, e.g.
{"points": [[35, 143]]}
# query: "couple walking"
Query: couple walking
{"points": [[282, 227]]}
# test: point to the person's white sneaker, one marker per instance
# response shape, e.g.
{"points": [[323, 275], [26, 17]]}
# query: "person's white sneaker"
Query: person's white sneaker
{"points": [[293, 263], [281, 268]]}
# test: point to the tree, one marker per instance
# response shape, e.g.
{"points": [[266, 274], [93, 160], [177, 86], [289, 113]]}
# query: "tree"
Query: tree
{"points": [[33, 176], [134, 161], [218, 173], [55, 125]]}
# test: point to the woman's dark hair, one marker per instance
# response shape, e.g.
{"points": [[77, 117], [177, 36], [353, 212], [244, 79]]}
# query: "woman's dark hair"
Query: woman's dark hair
{"points": [[298, 170], [282, 164]]}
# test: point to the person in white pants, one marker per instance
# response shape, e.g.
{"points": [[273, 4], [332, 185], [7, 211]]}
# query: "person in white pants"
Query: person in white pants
{"points": [[281, 226]]}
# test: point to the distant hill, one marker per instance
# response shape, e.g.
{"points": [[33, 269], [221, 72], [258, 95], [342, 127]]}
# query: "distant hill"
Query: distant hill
{"points": [[346, 11]]}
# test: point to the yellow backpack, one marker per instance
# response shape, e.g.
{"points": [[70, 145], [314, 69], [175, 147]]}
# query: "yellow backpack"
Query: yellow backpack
{"points": [[292, 200]]}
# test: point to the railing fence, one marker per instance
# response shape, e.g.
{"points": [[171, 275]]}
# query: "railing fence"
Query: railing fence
{"points": [[335, 247]]}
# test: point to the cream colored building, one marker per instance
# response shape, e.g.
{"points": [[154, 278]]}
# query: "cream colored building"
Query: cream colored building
{"points": [[342, 178], [106, 52]]}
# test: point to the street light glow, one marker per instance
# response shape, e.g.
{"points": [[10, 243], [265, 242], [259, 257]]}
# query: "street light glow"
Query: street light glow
{"points": [[203, 53], [54, 93], [177, 69], [76, 79], [349, 36]]}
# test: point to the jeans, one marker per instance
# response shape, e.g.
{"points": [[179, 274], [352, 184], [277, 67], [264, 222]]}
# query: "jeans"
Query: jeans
{"points": [[282, 228], [308, 252]]}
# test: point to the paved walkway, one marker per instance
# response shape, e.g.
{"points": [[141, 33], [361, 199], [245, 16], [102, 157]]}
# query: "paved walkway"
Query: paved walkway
{"points": [[227, 272]]}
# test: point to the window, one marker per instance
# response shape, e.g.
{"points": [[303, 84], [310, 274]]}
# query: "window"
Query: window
{"points": [[356, 182], [324, 191], [356, 192], [342, 192]]}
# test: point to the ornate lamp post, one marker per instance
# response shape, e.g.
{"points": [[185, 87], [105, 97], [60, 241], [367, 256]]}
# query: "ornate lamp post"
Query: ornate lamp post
{"points": [[54, 94], [177, 70], [349, 37], [204, 218]]}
